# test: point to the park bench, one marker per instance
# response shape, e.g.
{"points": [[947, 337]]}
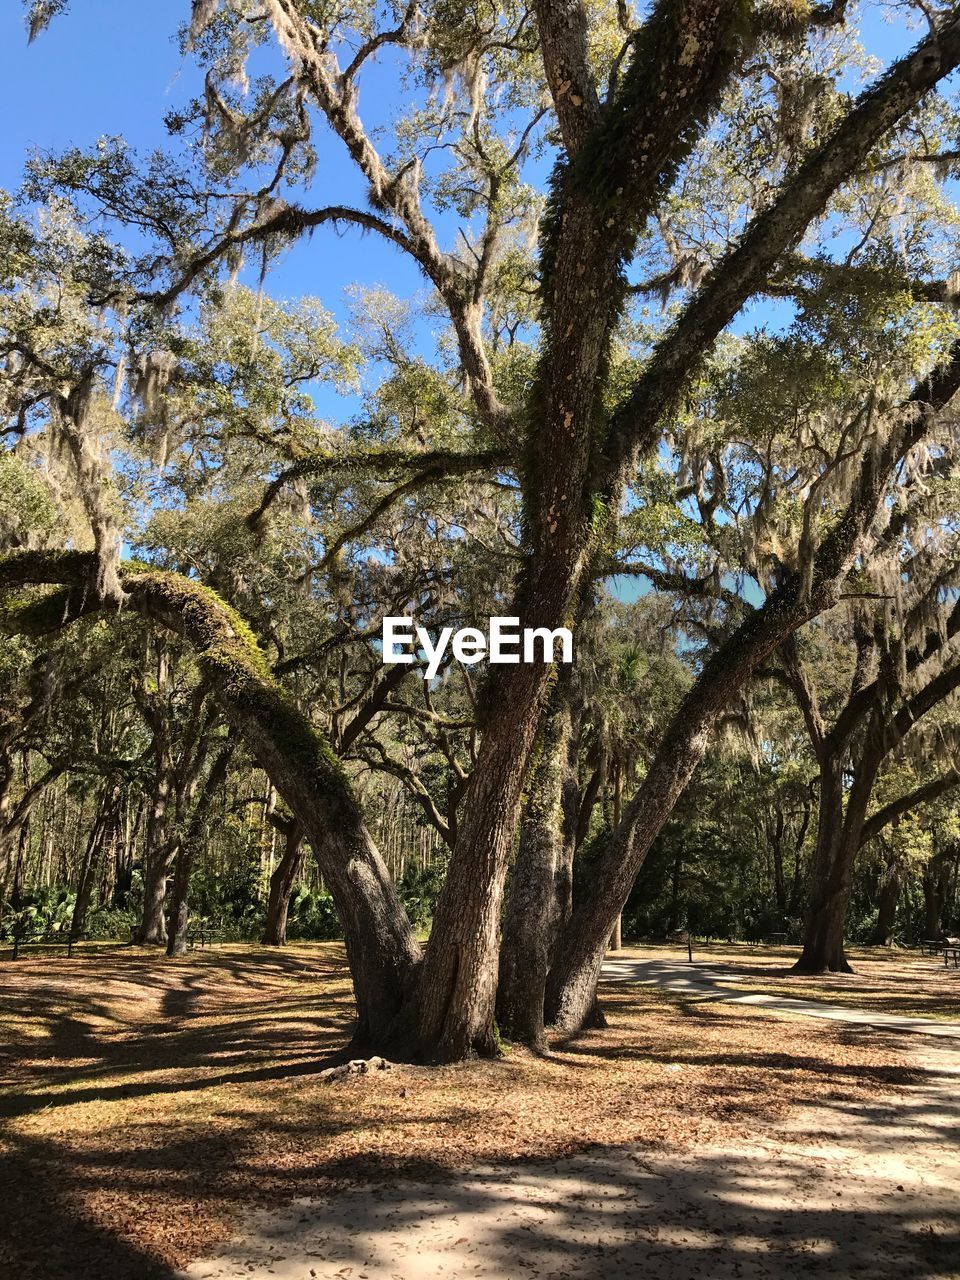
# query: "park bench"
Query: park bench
{"points": [[205, 934], [776, 939], [930, 947]]}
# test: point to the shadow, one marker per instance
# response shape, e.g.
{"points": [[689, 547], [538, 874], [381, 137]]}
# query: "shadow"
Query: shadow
{"points": [[606, 1214], [851, 997], [201, 1074], [70, 1242]]}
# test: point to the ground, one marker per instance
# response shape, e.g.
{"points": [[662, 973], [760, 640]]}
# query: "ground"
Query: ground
{"points": [[154, 1108], [888, 980]]}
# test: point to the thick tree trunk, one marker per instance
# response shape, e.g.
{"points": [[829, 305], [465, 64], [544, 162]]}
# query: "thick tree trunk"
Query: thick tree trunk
{"points": [[829, 880], [537, 889], [152, 931], [455, 1006], [281, 887]]}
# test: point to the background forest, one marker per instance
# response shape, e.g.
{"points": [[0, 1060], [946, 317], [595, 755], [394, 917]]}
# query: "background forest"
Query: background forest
{"points": [[212, 491]]}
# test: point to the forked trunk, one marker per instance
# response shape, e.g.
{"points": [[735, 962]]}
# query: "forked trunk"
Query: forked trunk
{"points": [[455, 1009], [839, 835], [281, 887]]}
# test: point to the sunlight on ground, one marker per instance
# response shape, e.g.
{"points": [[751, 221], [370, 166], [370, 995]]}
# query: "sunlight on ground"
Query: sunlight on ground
{"points": [[146, 1101]]}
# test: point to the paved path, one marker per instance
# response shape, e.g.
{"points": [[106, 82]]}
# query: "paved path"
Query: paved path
{"points": [[713, 982]]}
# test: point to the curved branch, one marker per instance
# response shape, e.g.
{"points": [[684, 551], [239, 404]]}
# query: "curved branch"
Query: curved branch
{"points": [[433, 465], [745, 269], [278, 219], [897, 808], [381, 947]]}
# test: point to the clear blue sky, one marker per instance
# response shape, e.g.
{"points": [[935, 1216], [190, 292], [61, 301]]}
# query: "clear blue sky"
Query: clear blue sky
{"points": [[112, 67]]}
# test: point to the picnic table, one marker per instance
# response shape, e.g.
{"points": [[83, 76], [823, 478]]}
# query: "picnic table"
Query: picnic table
{"points": [[951, 953]]}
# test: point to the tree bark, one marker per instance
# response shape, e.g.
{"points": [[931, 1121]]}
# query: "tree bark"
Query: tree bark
{"points": [[158, 854], [538, 890], [830, 879], [281, 887], [888, 901], [839, 839]]}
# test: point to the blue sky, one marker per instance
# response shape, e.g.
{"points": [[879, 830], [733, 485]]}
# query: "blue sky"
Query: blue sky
{"points": [[114, 67], [110, 67]]}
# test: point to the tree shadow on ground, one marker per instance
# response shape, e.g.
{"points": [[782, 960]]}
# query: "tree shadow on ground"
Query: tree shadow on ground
{"points": [[141, 1033]]}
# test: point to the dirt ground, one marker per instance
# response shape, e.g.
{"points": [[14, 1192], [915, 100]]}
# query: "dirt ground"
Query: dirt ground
{"points": [[893, 980], [151, 1109]]}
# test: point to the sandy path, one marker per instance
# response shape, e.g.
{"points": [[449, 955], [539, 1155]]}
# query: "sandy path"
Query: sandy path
{"points": [[714, 981], [870, 1190]]}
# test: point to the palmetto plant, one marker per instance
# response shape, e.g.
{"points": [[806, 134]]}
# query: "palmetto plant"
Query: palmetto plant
{"points": [[44, 913]]}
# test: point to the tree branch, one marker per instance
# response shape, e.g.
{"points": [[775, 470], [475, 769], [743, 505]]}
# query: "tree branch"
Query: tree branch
{"points": [[636, 422]]}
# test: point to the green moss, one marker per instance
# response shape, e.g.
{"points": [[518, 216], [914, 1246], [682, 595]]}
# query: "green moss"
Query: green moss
{"points": [[226, 650]]}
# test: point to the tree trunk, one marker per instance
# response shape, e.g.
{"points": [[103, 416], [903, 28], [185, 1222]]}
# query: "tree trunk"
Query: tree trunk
{"points": [[934, 895], [281, 887], [189, 845], [180, 901], [90, 870], [888, 901], [616, 938], [152, 931], [839, 837], [158, 849], [537, 889]]}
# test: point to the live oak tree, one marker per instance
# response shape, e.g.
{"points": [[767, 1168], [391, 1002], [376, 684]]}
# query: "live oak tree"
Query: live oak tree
{"points": [[891, 689], [567, 394]]}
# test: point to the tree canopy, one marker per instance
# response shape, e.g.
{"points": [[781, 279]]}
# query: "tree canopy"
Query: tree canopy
{"points": [[677, 373]]}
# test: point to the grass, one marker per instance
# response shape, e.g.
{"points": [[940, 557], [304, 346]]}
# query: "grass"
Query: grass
{"points": [[145, 1102]]}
